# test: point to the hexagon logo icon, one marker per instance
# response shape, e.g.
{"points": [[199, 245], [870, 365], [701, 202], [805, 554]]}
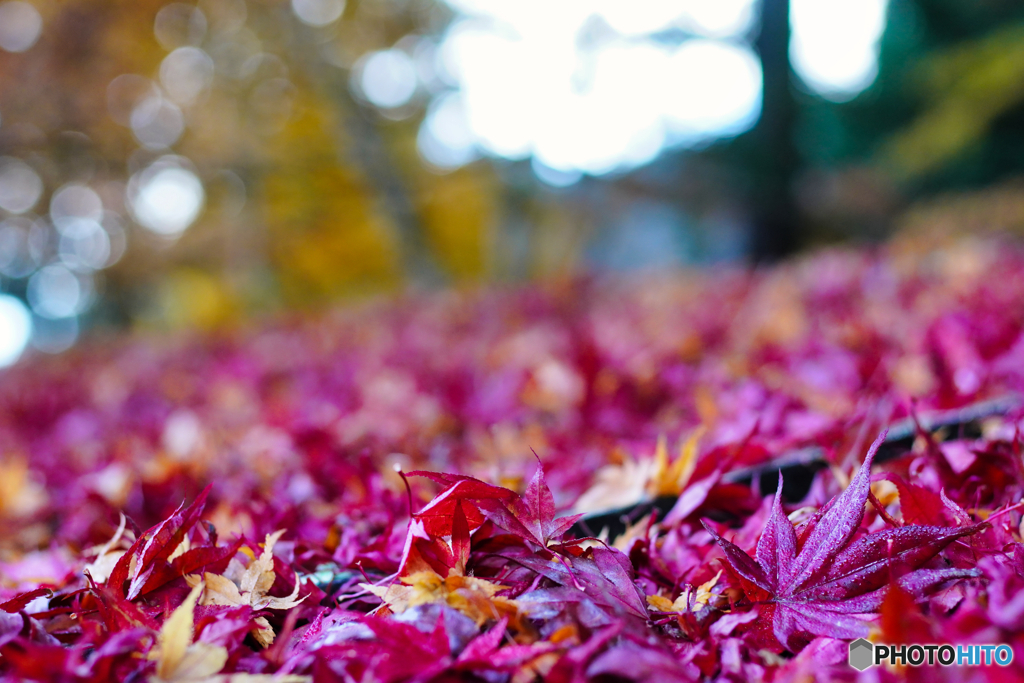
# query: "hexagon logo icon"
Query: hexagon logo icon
{"points": [[862, 654]]}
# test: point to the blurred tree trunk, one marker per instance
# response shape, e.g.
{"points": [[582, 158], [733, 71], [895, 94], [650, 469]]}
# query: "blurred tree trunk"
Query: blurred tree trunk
{"points": [[776, 219]]}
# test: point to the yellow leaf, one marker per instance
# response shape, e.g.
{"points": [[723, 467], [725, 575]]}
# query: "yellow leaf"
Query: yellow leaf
{"points": [[182, 548], [219, 590], [178, 658], [704, 594], [259, 576], [660, 603], [700, 598], [639, 529], [616, 486], [176, 636], [264, 633], [249, 586], [426, 587], [270, 602], [669, 479], [661, 466], [396, 596], [476, 598], [628, 483], [199, 662]]}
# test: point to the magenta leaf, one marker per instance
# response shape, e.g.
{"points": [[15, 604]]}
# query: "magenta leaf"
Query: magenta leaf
{"points": [[743, 564], [535, 513], [777, 545], [834, 529], [821, 589], [865, 565]]}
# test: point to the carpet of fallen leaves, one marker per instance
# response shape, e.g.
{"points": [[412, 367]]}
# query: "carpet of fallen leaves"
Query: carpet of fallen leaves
{"points": [[391, 492]]}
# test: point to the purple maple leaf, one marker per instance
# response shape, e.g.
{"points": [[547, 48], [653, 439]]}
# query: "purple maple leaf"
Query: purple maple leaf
{"points": [[821, 588]]}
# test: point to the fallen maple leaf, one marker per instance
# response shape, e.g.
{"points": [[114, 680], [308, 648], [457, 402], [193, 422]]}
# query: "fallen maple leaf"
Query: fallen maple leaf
{"points": [[823, 587], [632, 481], [532, 516], [178, 659], [616, 486], [670, 478], [601, 576], [463, 507], [163, 553], [689, 600], [248, 586], [437, 515], [475, 597]]}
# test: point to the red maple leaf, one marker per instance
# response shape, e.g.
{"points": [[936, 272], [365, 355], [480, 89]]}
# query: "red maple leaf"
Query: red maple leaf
{"points": [[820, 587], [152, 552], [530, 516]]}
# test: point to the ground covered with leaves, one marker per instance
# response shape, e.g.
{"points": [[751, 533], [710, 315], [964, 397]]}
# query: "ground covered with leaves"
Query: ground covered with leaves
{"points": [[393, 492]]}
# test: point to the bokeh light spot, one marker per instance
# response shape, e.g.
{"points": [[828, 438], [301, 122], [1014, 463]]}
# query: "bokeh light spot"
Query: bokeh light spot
{"points": [[387, 78], [73, 203], [554, 177], [318, 12], [553, 84], [185, 73], [56, 292], [86, 249], [166, 198], [716, 90], [834, 45], [15, 254], [157, 123], [125, 92], [54, 335], [178, 24], [20, 26], [444, 138], [15, 329], [117, 236], [20, 185]]}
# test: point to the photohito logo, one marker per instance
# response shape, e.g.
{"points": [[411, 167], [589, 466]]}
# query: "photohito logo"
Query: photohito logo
{"points": [[864, 654]]}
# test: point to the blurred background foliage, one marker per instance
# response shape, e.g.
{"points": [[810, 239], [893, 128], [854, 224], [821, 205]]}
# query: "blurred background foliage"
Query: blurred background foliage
{"points": [[183, 165]]}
